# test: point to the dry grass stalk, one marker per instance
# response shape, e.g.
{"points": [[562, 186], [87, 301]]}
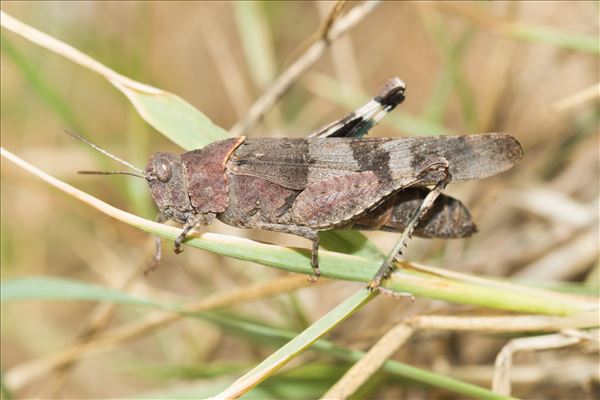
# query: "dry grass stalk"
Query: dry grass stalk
{"points": [[504, 360], [71, 53], [370, 363], [309, 58], [394, 338]]}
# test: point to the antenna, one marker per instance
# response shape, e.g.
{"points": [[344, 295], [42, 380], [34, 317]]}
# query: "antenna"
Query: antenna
{"points": [[111, 173], [106, 153]]}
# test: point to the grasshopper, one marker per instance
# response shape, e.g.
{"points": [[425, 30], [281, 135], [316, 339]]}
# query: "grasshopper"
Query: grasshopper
{"points": [[334, 179]]}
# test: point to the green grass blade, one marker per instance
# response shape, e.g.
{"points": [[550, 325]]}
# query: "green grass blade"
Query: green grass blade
{"points": [[553, 37], [534, 33], [350, 242], [5, 393], [256, 41], [197, 370], [451, 75], [435, 109], [203, 390], [44, 288], [42, 87], [297, 345], [442, 381], [465, 95]]}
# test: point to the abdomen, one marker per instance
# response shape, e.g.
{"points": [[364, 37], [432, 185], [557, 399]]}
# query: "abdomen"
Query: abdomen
{"points": [[448, 218]]}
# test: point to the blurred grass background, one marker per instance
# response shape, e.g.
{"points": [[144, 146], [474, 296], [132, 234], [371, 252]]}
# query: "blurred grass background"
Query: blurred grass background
{"points": [[517, 67]]}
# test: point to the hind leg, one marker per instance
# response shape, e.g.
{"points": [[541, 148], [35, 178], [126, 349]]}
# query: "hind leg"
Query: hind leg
{"points": [[437, 166]]}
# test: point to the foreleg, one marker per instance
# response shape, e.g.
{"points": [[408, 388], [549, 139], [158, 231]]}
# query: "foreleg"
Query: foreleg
{"points": [[160, 218], [193, 223], [153, 264]]}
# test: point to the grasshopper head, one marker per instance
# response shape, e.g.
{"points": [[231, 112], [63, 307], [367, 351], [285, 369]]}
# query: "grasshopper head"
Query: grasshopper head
{"points": [[166, 177]]}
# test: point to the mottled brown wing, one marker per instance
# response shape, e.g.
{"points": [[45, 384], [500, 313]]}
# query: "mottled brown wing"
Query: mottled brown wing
{"points": [[298, 163], [335, 201]]}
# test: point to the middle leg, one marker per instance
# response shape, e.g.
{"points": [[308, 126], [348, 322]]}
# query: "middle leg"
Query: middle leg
{"points": [[301, 231]]}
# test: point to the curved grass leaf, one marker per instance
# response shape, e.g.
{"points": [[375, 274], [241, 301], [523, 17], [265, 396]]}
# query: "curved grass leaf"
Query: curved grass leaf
{"points": [[44, 288], [41, 85], [172, 116], [169, 114]]}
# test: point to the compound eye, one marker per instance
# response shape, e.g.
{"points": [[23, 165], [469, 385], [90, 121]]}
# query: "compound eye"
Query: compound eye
{"points": [[162, 169]]}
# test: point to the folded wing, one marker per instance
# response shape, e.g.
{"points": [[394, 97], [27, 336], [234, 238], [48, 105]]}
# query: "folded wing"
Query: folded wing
{"points": [[298, 163]]}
